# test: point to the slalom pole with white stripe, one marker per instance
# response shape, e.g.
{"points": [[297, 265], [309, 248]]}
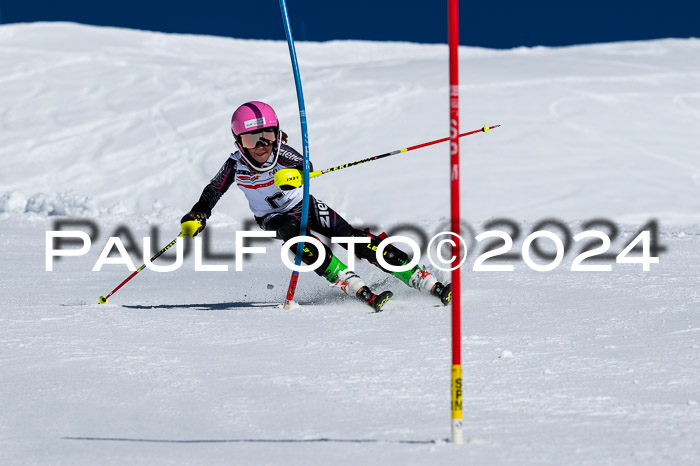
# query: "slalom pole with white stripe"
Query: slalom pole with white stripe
{"points": [[290, 177], [307, 167], [456, 385]]}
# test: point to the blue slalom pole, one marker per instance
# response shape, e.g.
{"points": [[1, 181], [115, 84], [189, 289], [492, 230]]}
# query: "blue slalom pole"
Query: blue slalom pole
{"points": [[307, 167]]}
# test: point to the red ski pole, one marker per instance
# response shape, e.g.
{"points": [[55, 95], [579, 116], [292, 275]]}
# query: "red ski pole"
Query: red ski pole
{"points": [[289, 178], [103, 299]]}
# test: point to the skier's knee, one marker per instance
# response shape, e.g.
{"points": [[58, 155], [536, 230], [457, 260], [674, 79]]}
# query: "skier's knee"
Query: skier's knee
{"points": [[311, 253], [392, 255], [288, 230], [395, 256]]}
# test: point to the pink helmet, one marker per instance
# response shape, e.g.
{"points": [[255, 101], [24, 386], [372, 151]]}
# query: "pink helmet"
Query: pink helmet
{"points": [[254, 116]]}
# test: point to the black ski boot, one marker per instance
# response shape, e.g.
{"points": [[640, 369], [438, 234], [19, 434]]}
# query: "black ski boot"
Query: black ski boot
{"points": [[444, 292], [375, 301]]}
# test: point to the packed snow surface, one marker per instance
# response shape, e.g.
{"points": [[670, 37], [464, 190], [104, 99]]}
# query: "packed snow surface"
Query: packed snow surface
{"points": [[121, 130]]}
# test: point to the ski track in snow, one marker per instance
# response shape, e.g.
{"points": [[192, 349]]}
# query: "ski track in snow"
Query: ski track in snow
{"points": [[126, 127]]}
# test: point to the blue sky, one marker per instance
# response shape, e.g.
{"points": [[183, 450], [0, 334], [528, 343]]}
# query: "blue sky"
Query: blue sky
{"points": [[496, 24]]}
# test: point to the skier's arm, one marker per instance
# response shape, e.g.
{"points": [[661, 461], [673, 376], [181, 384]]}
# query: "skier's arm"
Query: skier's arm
{"points": [[216, 188], [196, 219]]}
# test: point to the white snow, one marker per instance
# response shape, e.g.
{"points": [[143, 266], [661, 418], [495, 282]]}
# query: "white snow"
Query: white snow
{"points": [[125, 128]]}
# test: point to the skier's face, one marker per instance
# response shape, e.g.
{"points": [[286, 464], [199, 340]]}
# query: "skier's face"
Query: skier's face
{"points": [[261, 153]]}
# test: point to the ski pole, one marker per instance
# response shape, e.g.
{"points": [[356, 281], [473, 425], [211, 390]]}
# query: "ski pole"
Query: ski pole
{"points": [[289, 178], [103, 299]]}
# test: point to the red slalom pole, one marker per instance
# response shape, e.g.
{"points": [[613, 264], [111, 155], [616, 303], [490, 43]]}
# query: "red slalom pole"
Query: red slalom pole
{"points": [[456, 386]]}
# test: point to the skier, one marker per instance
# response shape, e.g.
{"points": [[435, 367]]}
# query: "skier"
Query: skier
{"points": [[261, 152]]}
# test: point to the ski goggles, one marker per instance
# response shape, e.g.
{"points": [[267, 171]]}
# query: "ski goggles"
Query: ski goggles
{"points": [[264, 137]]}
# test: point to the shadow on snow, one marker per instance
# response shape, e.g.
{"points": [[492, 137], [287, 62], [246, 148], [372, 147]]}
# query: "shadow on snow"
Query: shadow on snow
{"points": [[312, 440], [210, 306]]}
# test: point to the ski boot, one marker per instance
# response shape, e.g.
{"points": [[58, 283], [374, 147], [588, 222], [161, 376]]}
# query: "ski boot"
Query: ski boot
{"points": [[444, 292], [375, 301], [422, 280], [352, 285]]}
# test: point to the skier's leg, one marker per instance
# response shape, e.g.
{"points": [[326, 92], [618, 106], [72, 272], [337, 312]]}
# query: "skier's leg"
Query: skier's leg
{"points": [[287, 227], [332, 269], [416, 277], [330, 223], [326, 221]]}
